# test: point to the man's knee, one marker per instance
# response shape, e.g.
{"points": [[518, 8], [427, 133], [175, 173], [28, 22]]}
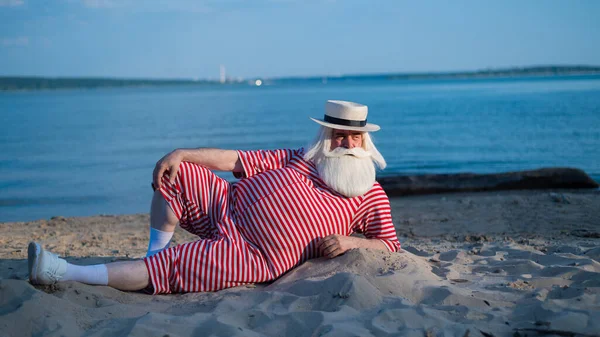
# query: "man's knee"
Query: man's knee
{"points": [[199, 172], [187, 172]]}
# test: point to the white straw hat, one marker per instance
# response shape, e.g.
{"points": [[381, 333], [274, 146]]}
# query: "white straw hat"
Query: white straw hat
{"points": [[343, 115]]}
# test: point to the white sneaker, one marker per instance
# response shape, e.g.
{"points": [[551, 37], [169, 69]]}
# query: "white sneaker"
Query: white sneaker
{"points": [[44, 267]]}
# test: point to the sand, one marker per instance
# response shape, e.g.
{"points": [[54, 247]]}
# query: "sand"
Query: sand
{"points": [[479, 264]]}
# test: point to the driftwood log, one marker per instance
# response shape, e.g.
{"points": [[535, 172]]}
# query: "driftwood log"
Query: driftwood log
{"points": [[545, 178]]}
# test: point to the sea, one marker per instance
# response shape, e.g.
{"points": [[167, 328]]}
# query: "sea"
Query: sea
{"points": [[92, 151]]}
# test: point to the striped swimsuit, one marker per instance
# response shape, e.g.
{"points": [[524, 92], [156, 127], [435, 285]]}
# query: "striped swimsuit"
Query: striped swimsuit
{"points": [[261, 226]]}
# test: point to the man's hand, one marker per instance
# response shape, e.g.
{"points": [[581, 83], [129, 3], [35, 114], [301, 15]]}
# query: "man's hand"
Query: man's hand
{"points": [[169, 163], [335, 244], [212, 159]]}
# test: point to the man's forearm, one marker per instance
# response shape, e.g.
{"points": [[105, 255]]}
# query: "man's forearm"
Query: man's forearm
{"points": [[370, 243], [214, 159]]}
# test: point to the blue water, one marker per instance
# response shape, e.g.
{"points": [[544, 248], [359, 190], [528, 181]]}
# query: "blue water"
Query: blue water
{"points": [[86, 152]]}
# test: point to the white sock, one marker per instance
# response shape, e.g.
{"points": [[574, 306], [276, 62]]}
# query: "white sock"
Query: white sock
{"points": [[159, 240], [95, 274]]}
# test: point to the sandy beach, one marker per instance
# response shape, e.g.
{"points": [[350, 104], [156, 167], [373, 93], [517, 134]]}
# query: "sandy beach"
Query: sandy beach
{"points": [[512, 263]]}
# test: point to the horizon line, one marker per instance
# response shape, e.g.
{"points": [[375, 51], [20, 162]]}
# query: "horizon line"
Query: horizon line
{"points": [[287, 77]]}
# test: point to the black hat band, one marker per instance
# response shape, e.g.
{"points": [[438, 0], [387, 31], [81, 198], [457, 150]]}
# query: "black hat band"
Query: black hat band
{"points": [[344, 122]]}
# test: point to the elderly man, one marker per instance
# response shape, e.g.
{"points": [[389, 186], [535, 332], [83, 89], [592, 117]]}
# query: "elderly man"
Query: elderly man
{"points": [[289, 206]]}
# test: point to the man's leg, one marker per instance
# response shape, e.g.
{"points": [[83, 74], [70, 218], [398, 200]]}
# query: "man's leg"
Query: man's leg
{"points": [[162, 224], [128, 275], [195, 201], [123, 275], [48, 268]]}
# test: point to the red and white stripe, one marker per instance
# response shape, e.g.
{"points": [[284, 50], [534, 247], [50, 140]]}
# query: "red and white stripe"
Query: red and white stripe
{"points": [[262, 226]]}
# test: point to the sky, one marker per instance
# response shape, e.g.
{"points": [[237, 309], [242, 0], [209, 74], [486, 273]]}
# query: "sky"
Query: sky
{"points": [[278, 38]]}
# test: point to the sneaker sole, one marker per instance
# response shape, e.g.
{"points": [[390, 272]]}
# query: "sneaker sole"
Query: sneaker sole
{"points": [[33, 252]]}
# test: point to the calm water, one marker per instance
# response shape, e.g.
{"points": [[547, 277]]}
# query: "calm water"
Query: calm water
{"points": [[85, 152]]}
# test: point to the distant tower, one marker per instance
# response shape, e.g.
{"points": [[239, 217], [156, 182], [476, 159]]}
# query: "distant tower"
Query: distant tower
{"points": [[222, 74]]}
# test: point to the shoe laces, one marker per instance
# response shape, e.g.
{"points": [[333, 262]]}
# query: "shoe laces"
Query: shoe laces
{"points": [[53, 267]]}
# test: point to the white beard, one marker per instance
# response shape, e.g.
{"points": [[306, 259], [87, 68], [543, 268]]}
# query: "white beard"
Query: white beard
{"points": [[350, 172]]}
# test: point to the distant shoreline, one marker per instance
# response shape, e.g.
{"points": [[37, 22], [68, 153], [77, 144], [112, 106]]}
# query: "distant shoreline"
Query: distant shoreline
{"points": [[26, 83]]}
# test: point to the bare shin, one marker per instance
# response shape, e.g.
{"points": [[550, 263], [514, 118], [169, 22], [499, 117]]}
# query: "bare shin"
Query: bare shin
{"points": [[128, 275], [161, 215]]}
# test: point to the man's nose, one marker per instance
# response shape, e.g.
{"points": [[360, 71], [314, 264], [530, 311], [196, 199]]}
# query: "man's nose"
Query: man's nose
{"points": [[347, 143]]}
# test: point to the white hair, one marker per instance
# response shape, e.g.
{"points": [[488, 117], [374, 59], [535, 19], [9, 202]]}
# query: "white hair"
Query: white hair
{"points": [[322, 144]]}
